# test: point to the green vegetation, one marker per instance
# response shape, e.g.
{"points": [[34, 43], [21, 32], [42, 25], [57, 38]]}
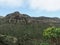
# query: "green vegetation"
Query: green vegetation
{"points": [[26, 30], [53, 34]]}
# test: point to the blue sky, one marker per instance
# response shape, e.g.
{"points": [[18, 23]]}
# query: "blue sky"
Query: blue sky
{"points": [[36, 8]]}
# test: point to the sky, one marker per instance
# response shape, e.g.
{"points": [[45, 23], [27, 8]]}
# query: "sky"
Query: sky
{"points": [[34, 8]]}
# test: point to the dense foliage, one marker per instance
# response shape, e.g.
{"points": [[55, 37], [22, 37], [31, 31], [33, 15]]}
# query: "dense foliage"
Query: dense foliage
{"points": [[26, 34], [53, 34]]}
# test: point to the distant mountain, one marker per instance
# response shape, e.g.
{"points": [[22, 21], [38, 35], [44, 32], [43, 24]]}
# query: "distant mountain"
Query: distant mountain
{"points": [[15, 16]]}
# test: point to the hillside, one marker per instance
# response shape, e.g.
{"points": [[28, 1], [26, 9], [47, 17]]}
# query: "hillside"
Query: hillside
{"points": [[27, 30], [18, 17]]}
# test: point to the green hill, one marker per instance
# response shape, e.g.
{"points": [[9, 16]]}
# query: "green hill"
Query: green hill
{"points": [[27, 30]]}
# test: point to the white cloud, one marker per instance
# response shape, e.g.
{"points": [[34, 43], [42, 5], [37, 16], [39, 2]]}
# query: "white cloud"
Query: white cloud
{"points": [[11, 3], [49, 5]]}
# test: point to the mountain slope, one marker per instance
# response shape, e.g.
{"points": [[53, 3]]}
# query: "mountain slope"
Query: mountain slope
{"points": [[28, 30]]}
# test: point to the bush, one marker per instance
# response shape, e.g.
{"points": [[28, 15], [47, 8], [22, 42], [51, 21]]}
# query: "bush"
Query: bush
{"points": [[53, 34]]}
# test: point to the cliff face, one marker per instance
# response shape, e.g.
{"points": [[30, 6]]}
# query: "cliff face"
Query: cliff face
{"points": [[18, 17]]}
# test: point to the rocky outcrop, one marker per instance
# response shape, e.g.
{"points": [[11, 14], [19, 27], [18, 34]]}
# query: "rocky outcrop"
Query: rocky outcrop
{"points": [[17, 17], [6, 40]]}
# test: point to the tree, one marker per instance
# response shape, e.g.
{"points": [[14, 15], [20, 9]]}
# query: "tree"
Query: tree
{"points": [[53, 34]]}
